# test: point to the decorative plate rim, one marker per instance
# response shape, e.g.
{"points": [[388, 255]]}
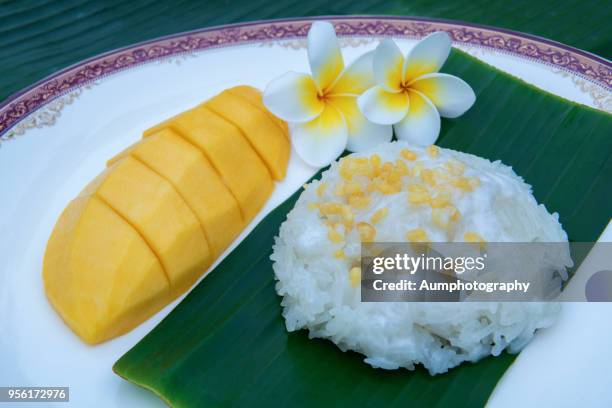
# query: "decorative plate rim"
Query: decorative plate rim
{"points": [[21, 104]]}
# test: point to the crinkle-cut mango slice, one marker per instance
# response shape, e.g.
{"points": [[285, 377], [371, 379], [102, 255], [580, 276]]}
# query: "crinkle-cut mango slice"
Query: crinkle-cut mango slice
{"points": [[240, 168], [253, 95], [99, 273], [153, 206], [263, 134], [185, 166]]}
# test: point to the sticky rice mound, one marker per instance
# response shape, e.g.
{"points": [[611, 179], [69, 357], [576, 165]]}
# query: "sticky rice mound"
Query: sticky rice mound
{"points": [[397, 193]]}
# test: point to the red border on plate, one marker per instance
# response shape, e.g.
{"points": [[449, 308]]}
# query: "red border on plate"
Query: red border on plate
{"points": [[18, 106]]}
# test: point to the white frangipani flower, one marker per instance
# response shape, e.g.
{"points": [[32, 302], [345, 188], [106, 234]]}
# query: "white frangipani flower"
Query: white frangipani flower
{"points": [[321, 108], [410, 94]]}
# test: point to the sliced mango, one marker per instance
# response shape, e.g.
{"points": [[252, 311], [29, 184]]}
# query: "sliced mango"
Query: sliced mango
{"points": [[254, 97], [144, 230], [99, 274], [190, 172], [263, 134], [240, 168], [152, 205]]}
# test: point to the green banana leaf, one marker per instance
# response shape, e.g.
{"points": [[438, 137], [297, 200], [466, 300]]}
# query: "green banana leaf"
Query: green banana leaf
{"points": [[226, 344]]}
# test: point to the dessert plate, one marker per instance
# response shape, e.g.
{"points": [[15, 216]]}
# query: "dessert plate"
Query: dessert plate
{"points": [[56, 136]]}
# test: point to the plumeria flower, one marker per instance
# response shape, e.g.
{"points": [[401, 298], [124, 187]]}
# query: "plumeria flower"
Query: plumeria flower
{"points": [[321, 108], [410, 94]]}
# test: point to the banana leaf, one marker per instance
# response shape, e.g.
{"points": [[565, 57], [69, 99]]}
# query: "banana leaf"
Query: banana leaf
{"points": [[226, 344]]}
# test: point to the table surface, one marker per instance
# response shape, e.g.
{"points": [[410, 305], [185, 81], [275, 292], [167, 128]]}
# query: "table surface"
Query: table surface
{"points": [[39, 37]]}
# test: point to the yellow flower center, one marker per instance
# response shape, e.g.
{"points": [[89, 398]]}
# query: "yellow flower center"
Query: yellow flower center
{"points": [[403, 86], [323, 95]]}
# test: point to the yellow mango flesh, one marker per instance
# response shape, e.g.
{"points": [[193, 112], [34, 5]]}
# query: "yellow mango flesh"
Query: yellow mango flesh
{"points": [[190, 172], [263, 134], [156, 210], [99, 274], [144, 230], [240, 168], [254, 97]]}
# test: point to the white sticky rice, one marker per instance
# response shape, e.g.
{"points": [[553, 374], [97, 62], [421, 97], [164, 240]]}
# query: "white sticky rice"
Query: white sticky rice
{"points": [[318, 296]]}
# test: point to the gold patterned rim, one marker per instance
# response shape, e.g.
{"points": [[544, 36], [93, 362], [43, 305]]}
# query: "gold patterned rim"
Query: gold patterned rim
{"points": [[68, 83]]}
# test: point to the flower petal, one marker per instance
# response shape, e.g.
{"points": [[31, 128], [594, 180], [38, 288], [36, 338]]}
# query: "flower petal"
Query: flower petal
{"points": [[324, 54], [388, 65], [421, 125], [362, 134], [320, 141], [451, 95], [382, 107], [428, 55], [356, 78], [293, 97]]}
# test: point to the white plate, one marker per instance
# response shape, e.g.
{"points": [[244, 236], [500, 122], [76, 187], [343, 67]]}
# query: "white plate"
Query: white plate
{"points": [[57, 135]]}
